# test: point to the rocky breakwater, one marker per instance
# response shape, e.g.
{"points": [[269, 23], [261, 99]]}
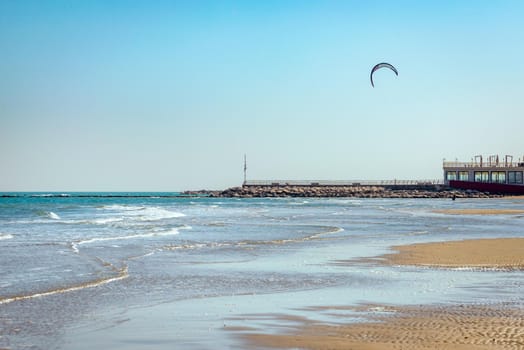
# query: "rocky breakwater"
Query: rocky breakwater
{"points": [[342, 191]]}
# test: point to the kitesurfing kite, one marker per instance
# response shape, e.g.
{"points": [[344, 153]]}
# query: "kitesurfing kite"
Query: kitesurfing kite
{"points": [[381, 65]]}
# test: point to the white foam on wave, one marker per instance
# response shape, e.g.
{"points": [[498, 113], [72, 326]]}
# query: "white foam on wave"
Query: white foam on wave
{"points": [[51, 195], [53, 216], [299, 203], [122, 274], [126, 216], [142, 213], [99, 221], [201, 245], [125, 220], [103, 221], [417, 233], [47, 215], [328, 230], [170, 232], [4, 236], [118, 207], [154, 213]]}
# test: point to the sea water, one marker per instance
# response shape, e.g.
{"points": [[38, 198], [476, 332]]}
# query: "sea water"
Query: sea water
{"points": [[142, 270]]}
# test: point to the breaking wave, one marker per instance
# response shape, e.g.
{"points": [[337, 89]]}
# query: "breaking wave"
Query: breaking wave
{"points": [[326, 230], [48, 214], [144, 213], [170, 232], [4, 236], [50, 195], [417, 233], [121, 274], [53, 216], [119, 215]]}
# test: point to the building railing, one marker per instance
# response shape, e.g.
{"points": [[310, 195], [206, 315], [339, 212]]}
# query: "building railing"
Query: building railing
{"points": [[485, 164], [343, 182]]}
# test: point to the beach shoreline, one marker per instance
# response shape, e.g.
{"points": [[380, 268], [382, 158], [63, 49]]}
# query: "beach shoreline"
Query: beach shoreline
{"points": [[454, 327], [484, 211], [496, 253], [212, 273]]}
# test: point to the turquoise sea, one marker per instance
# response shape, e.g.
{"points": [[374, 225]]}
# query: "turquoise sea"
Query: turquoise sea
{"points": [[156, 270]]}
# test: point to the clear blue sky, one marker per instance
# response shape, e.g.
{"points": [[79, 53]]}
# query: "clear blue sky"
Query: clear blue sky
{"points": [[166, 95]]}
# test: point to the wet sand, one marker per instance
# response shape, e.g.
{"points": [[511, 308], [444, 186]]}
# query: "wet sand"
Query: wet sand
{"points": [[514, 197], [480, 211], [441, 327], [501, 253], [452, 327]]}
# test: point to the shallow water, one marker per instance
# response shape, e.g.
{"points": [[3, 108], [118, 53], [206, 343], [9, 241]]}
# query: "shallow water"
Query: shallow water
{"points": [[154, 270]]}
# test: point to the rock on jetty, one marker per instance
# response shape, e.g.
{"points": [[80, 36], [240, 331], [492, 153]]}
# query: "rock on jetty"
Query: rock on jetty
{"points": [[343, 191]]}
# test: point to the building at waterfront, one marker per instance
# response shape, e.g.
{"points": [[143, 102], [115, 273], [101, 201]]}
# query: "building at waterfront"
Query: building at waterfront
{"points": [[493, 174]]}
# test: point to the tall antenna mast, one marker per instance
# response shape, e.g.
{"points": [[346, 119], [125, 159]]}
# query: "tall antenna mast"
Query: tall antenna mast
{"points": [[245, 169]]}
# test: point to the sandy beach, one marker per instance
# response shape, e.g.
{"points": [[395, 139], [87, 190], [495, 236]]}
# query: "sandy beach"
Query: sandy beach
{"points": [[502, 253], [441, 327], [454, 327], [479, 211], [215, 273]]}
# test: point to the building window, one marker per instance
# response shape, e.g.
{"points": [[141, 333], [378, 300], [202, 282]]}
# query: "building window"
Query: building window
{"points": [[451, 175], [481, 176], [498, 177], [463, 176], [515, 177]]}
